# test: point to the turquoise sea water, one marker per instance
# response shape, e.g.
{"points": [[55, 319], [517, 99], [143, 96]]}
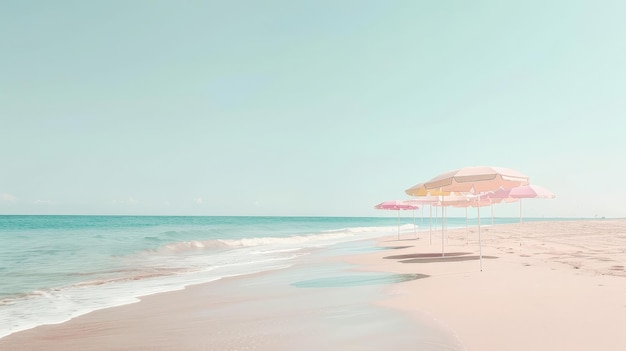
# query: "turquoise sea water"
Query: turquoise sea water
{"points": [[53, 268]]}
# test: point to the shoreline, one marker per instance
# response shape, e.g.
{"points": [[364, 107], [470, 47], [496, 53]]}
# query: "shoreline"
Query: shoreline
{"points": [[563, 288], [309, 307]]}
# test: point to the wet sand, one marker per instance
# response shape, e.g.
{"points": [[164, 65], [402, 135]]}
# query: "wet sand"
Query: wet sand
{"points": [[321, 303]]}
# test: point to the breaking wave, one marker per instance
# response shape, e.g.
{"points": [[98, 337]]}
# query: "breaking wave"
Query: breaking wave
{"points": [[321, 239]]}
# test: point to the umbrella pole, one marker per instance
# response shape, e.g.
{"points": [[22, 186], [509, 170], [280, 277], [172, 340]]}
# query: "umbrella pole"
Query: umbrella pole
{"points": [[436, 216], [422, 221], [398, 224], [443, 251], [414, 228], [520, 222], [430, 221], [492, 214], [466, 226], [445, 211], [480, 243], [446, 223]]}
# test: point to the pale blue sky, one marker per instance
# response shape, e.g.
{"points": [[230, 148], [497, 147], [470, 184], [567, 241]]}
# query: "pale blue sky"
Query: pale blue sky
{"points": [[306, 108]]}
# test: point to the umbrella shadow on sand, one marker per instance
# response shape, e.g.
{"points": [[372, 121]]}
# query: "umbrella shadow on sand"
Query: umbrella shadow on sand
{"points": [[432, 257], [396, 247]]}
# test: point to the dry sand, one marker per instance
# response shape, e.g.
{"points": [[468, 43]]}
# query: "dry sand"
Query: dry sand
{"points": [[563, 288]]}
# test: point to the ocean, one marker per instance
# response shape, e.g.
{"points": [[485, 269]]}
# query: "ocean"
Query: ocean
{"points": [[54, 268]]}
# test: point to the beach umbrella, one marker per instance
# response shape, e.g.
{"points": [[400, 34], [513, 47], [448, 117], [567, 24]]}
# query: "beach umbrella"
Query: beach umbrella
{"points": [[443, 201], [530, 191], [477, 180], [431, 196], [423, 201], [422, 192], [396, 205], [474, 202]]}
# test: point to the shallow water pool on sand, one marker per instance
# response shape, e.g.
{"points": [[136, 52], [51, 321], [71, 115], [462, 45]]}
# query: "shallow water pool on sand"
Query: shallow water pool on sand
{"points": [[357, 280], [321, 304]]}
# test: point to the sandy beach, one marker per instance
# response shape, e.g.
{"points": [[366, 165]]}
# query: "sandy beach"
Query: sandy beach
{"points": [[252, 175], [562, 287]]}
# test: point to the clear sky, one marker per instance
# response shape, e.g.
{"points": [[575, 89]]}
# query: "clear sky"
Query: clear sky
{"points": [[306, 108]]}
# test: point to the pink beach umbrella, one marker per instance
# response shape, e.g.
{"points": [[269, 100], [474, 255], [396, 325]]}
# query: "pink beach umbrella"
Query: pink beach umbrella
{"points": [[530, 191], [521, 192], [396, 206]]}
